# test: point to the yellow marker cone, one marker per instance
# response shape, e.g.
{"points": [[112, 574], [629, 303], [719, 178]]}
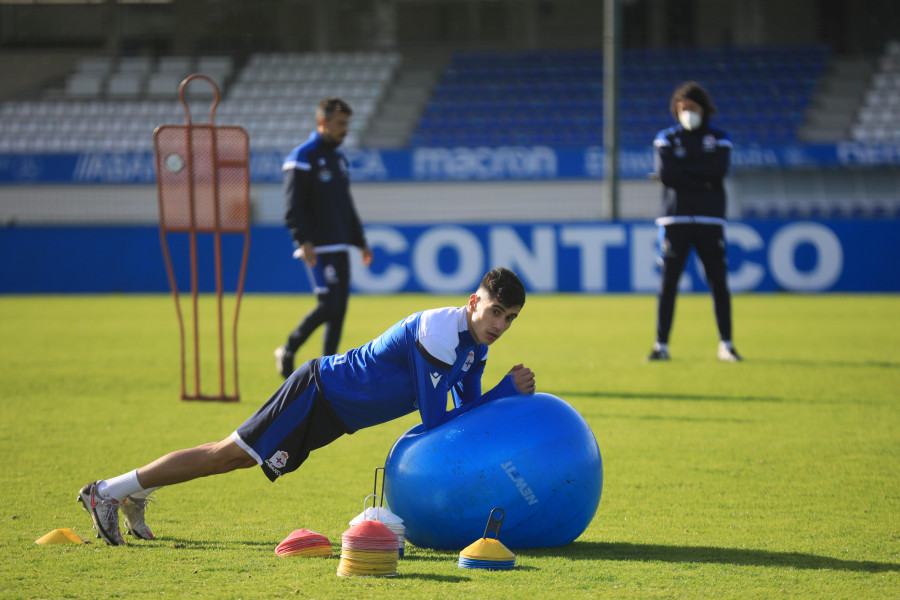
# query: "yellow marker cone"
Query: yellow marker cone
{"points": [[488, 549], [488, 553], [61, 536]]}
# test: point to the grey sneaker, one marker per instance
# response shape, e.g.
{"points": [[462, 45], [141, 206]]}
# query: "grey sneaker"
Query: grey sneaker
{"points": [[284, 361], [133, 511], [658, 354], [104, 514], [728, 354]]}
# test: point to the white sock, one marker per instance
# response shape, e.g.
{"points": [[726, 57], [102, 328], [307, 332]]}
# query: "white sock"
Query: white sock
{"points": [[144, 493], [118, 488], [658, 346], [728, 344]]}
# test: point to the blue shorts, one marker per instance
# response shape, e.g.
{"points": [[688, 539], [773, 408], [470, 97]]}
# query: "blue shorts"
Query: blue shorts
{"points": [[296, 420]]}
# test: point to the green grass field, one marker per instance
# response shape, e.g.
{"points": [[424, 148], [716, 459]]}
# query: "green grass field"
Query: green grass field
{"points": [[778, 477]]}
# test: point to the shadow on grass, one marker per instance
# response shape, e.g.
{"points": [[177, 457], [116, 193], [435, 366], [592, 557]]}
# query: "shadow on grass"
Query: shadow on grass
{"points": [[450, 556], [854, 364], [671, 418], [454, 578], [634, 396], [621, 551], [433, 577], [410, 557], [708, 554], [182, 543]]}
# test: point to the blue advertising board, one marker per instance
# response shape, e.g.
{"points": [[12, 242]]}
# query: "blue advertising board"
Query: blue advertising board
{"points": [[618, 257], [506, 163]]}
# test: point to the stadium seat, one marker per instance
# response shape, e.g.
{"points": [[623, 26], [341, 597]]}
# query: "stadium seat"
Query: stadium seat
{"points": [[522, 97], [164, 85], [878, 120], [96, 65], [138, 65], [567, 87], [180, 65], [220, 68], [124, 85], [84, 85]]}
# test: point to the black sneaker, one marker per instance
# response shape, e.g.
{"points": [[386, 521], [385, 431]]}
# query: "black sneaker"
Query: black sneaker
{"points": [[284, 361], [658, 354]]}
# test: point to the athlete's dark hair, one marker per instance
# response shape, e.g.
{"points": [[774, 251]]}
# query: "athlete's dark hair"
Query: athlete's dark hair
{"points": [[504, 286], [328, 106], [696, 92]]}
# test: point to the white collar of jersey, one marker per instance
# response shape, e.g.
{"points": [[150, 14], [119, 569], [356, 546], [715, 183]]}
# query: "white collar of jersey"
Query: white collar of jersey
{"points": [[461, 322], [439, 330]]}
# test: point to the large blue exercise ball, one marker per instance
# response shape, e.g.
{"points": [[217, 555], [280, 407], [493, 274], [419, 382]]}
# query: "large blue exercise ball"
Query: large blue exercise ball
{"points": [[532, 455]]}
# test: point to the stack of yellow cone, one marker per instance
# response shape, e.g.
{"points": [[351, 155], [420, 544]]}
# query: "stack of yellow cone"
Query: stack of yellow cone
{"points": [[303, 542], [487, 553], [368, 549]]}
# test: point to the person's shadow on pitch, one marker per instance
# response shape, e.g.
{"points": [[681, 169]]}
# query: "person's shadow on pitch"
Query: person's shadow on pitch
{"points": [[624, 551]]}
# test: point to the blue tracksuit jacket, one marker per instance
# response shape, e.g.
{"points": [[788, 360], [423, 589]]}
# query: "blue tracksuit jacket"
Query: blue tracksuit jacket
{"points": [[411, 366], [692, 166], [318, 204]]}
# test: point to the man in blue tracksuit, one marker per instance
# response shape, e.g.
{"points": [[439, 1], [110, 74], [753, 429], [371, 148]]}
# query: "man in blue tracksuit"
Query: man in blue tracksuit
{"points": [[692, 159], [412, 366], [323, 222]]}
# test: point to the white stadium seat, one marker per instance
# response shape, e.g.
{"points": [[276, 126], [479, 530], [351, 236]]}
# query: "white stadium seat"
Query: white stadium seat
{"points": [[124, 85], [84, 85]]}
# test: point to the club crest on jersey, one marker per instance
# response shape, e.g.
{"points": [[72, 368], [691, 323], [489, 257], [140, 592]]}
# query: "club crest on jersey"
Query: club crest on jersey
{"points": [[470, 360], [278, 460], [709, 143]]}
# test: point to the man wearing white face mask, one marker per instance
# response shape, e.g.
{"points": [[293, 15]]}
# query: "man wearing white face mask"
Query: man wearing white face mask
{"points": [[692, 159]]}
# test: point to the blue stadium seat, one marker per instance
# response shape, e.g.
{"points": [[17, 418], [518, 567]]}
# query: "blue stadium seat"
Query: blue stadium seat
{"points": [[556, 96]]}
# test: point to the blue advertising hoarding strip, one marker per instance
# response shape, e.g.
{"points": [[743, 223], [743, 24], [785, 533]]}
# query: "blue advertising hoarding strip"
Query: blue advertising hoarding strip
{"points": [[764, 256], [508, 163]]}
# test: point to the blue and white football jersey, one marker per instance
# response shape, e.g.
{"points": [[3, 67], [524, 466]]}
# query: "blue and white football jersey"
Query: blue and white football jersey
{"points": [[413, 365]]}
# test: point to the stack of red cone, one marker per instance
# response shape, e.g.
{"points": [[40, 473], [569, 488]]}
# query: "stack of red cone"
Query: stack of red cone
{"points": [[390, 520], [368, 549], [303, 542]]}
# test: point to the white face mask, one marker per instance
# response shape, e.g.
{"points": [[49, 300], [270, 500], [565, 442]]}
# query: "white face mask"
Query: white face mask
{"points": [[689, 119]]}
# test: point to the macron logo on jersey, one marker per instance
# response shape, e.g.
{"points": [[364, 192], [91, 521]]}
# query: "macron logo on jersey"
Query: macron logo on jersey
{"points": [[435, 378]]}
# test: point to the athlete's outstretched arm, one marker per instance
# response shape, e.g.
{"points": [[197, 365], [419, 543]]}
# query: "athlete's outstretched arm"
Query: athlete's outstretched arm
{"points": [[523, 377], [519, 380]]}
